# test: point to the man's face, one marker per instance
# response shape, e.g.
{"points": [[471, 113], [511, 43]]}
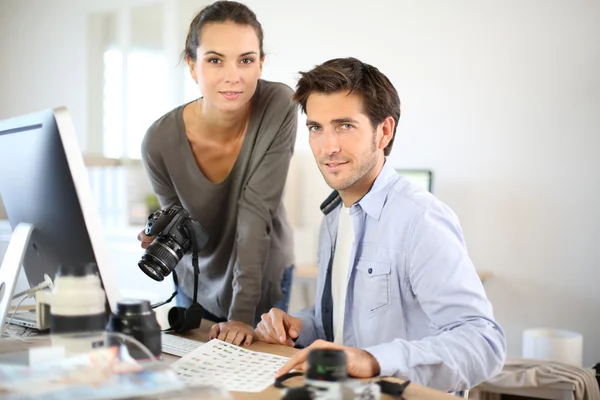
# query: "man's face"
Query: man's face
{"points": [[346, 146]]}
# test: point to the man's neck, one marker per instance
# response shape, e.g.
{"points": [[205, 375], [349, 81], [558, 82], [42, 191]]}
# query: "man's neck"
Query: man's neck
{"points": [[361, 187]]}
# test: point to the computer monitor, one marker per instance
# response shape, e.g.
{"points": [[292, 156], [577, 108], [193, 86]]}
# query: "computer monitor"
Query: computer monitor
{"points": [[43, 182], [421, 177]]}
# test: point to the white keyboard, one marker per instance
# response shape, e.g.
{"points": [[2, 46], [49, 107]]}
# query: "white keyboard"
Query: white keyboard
{"points": [[178, 346]]}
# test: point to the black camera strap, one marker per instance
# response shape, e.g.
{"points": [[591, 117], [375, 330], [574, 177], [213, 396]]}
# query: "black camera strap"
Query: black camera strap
{"points": [[184, 319], [196, 274], [195, 251], [176, 281]]}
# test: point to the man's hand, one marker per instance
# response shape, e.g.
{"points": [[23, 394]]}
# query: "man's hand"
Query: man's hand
{"points": [[278, 327], [360, 363], [145, 239], [233, 332]]}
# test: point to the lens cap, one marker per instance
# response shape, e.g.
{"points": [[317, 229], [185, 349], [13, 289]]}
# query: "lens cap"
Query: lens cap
{"points": [[133, 307]]}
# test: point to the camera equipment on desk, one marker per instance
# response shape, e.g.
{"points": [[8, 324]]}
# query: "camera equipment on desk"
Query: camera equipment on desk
{"points": [[327, 379], [135, 318], [77, 305], [175, 234]]}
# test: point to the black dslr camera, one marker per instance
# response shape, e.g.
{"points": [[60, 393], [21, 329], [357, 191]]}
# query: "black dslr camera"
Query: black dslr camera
{"points": [[175, 234]]}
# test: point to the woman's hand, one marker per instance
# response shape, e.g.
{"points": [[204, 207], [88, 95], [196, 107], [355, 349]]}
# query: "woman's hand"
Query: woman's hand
{"points": [[233, 332], [145, 239]]}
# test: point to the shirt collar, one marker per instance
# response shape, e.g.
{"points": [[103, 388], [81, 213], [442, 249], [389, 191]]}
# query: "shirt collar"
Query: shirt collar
{"points": [[372, 202]]}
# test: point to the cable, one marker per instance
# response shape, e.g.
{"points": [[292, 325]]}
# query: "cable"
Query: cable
{"points": [[47, 283], [5, 328]]}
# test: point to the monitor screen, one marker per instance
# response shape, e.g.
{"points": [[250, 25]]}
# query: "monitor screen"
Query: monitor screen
{"points": [[421, 177], [43, 182]]}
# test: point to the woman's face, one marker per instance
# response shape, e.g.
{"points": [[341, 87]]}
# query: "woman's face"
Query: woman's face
{"points": [[228, 64]]}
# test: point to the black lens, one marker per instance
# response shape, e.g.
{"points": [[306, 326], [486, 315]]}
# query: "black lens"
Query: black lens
{"points": [[160, 258], [327, 365], [135, 318]]}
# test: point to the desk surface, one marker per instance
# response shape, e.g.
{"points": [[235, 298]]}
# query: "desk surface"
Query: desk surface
{"points": [[413, 392]]}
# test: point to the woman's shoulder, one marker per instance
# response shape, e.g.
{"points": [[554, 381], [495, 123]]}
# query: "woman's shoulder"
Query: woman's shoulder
{"points": [[278, 88], [164, 128], [275, 95]]}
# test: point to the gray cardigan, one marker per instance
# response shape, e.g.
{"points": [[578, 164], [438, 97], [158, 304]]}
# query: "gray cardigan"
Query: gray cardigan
{"points": [[250, 241]]}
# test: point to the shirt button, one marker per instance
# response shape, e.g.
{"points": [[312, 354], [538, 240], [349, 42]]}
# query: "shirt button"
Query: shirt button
{"points": [[326, 310], [370, 270]]}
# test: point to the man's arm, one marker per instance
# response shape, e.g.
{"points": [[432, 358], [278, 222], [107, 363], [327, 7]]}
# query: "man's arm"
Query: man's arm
{"points": [[258, 203], [467, 345], [308, 334]]}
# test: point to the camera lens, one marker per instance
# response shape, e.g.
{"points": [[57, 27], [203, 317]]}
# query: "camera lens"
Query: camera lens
{"points": [[160, 258], [327, 365], [136, 318]]}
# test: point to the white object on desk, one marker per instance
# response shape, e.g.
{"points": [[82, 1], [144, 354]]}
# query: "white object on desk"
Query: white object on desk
{"points": [[177, 345], [553, 345], [228, 366]]}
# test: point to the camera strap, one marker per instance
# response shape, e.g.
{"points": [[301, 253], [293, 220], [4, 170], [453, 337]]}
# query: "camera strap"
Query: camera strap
{"points": [[195, 251], [162, 303], [176, 282], [184, 319]]}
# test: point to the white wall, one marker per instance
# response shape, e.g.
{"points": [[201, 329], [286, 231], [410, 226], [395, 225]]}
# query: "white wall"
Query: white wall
{"points": [[501, 99]]}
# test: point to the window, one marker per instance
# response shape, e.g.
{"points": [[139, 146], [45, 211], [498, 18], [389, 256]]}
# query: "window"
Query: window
{"points": [[146, 99]]}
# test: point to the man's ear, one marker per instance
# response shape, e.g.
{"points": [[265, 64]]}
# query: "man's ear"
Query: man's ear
{"points": [[192, 67], [386, 132]]}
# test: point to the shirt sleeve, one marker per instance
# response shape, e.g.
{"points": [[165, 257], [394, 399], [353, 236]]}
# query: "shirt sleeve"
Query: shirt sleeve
{"points": [[260, 199], [467, 346], [157, 172], [309, 333]]}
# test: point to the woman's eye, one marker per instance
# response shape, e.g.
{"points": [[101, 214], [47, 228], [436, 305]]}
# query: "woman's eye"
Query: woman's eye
{"points": [[247, 61], [214, 60]]}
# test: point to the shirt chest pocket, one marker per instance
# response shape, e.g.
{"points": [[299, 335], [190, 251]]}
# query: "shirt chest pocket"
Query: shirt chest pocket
{"points": [[372, 285]]}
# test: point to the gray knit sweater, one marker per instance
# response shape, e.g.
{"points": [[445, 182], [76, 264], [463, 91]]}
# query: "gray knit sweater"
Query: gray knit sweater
{"points": [[250, 241]]}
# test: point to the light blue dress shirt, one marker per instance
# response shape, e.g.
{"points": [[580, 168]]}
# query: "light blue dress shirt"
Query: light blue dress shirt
{"points": [[414, 300]]}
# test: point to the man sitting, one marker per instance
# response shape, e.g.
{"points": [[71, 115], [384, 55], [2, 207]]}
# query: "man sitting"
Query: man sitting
{"points": [[396, 290]]}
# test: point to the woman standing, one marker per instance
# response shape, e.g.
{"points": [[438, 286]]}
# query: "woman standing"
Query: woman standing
{"points": [[224, 157]]}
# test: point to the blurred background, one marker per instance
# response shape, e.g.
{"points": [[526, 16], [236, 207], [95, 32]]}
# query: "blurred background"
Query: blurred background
{"points": [[500, 100]]}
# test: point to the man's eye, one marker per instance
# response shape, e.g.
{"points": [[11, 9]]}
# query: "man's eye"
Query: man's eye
{"points": [[346, 126], [313, 128]]}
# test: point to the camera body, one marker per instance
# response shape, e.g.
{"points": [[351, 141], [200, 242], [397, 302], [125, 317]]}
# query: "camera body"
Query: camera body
{"points": [[175, 234]]}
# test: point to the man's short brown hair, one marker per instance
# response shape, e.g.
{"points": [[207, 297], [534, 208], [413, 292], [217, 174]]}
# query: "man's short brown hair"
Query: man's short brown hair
{"points": [[380, 98]]}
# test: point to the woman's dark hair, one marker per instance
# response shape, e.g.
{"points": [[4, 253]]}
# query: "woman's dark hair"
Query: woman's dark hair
{"points": [[220, 11]]}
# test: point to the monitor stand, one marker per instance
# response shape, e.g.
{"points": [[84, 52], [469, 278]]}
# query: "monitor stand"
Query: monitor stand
{"points": [[11, 266]]}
